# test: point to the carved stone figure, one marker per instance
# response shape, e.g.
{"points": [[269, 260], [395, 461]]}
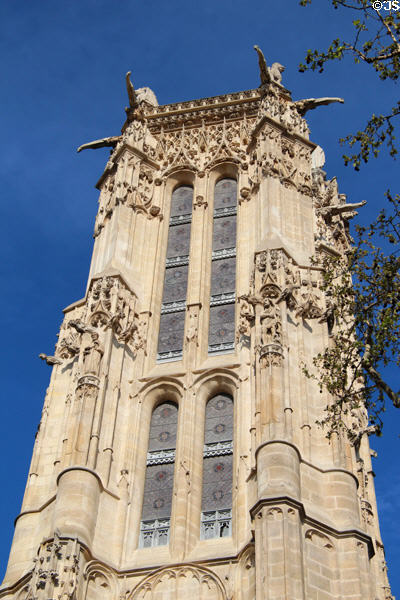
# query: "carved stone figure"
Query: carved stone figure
{"points": [[133, 101], [309, 308], [246, 317], [92, 355], [271, 74], [271, 326], [145, 94]]}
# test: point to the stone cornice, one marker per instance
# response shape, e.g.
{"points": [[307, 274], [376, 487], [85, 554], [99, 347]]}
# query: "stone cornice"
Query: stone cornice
{"points": [[338, 533], [209, 110]]}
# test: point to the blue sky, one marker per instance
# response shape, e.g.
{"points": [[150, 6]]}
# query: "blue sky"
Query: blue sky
{"points": [[62, 69]]}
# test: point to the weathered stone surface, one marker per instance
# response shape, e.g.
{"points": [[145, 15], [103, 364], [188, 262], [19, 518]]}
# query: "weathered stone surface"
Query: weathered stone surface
{"points": [[303, 520]]}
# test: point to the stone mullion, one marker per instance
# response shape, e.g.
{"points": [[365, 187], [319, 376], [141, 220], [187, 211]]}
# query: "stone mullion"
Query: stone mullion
{"points": [[196, 455], [193, 293], [242, 460], [156, 281], [244, 415], [192, 486], [154, 229], [206, 186], [243, 250], [196, 242], [135, 462], [182, 482]]}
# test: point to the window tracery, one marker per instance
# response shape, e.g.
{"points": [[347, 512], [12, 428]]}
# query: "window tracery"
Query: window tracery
{"points": [[158, 487], [216, 506], [223, 268], [172, 320]]}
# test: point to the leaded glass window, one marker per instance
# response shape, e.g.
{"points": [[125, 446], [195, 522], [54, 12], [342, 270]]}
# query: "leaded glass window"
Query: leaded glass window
{"points": [[216, 505], [158, 487], [223, 268], [172, 321]]}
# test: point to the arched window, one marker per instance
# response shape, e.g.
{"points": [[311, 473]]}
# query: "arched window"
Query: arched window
{"points": [[216, 504], [221, 335], [172, 321], [158, 487]]}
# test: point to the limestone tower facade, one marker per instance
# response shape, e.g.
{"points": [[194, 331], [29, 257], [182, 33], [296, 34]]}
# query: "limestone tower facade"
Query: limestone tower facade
{"points": [[178, 454]]}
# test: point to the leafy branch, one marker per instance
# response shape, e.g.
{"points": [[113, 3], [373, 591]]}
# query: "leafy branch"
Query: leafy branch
{"points": [[364, 291], [376, 42]]}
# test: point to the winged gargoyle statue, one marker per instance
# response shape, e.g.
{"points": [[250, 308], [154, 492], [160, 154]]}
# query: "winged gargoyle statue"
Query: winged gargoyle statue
{"points": [[302, 106], [271, 74], [103, 143], [133, 100], [130, 110]]}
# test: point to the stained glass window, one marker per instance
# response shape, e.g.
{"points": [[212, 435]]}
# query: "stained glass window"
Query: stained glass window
{"points": [[223, 268], [158, 487], [172, 321], [216, 505]]}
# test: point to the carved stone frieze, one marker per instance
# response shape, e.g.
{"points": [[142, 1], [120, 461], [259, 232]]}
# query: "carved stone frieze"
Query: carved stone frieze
{"points": [[279, 107], [284, 165], [200, 147], [130, 184]]}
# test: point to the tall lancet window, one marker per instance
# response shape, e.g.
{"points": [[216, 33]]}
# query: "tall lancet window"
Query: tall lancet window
{"points": [[223, 268], [172, 322], [158, 487], [216, 505]]}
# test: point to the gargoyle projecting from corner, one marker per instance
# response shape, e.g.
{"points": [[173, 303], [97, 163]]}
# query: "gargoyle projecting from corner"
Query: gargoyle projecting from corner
{"points": [[271, 74], [103, 143], [302, 106], [113, 140]]}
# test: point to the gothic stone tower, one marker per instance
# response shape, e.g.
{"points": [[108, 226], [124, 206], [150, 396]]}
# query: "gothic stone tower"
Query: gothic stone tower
{"points": [[178, 453]]}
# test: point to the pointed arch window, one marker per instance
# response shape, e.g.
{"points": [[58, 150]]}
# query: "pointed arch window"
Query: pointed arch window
{"points": [[216, 505], [158, 487], [173, 307], [221, 335]]}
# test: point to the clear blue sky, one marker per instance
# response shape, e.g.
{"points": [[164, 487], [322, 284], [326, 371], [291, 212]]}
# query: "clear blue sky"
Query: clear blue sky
{"points": [[62, 69]]}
